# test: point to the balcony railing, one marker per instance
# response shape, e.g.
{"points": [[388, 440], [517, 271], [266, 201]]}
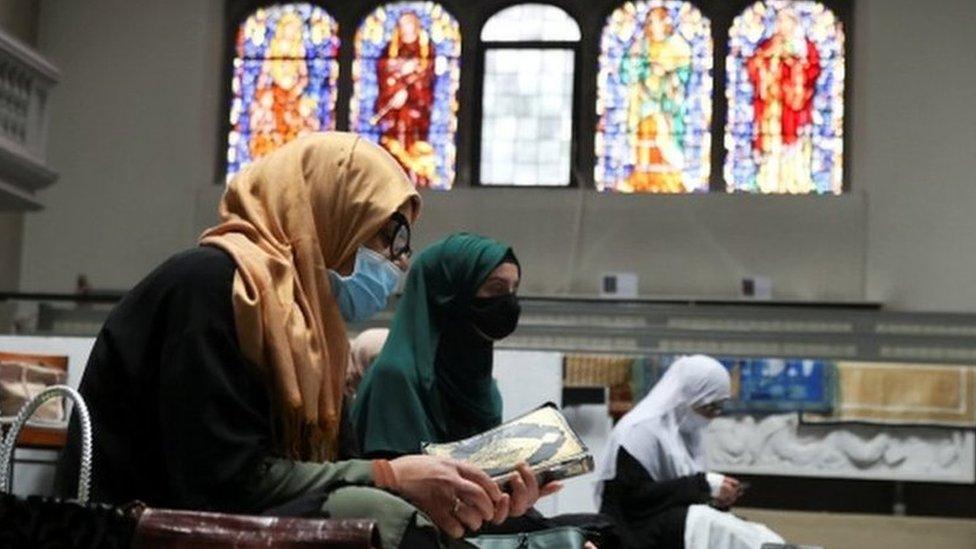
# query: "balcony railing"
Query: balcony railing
{"points": [[26, 79]]}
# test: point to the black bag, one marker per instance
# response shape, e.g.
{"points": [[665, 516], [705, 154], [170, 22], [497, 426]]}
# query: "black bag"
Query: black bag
{"points": [[37, 522], [42, 522], [597, 528]]}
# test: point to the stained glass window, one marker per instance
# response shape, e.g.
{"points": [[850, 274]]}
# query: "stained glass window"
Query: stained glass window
{"points": [[785, 92], [530, 22], [284, 81], [654, 99], [405, 75], [527, 96]]}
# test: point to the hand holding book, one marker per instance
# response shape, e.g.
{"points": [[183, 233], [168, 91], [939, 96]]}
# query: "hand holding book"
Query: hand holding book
{"points": [[455, 495], [541, 439], [524, 488]]}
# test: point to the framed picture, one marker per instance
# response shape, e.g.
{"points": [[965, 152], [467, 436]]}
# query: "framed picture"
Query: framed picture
{"points": [[24, 376]]}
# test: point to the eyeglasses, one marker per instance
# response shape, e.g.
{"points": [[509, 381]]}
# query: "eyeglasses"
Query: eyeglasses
{"points": [[398, 232], [713, 407]]}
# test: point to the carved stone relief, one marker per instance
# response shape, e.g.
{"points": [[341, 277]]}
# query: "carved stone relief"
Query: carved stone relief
{"points": [[779, 445]]}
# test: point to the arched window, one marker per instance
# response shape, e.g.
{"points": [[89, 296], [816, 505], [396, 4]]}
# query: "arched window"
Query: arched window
{"points": [[785, 92], [284, 81], [654, 99], [527, 96], [405, 76]]}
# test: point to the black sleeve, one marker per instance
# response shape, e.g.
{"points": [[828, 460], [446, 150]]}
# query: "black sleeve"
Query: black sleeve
{"points": [[213, 408], [642, 492], [215, 414]]}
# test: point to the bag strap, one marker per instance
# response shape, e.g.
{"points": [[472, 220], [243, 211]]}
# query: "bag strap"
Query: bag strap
{"points": [[26, 411]]}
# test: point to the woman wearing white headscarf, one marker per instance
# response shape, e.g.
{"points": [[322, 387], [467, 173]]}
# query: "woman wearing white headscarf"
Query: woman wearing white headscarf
{"points": [[652, 479], [363, 350]]}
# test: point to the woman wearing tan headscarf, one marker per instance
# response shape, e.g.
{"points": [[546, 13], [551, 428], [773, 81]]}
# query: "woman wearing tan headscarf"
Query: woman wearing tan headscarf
{"points": [[217, 383]]}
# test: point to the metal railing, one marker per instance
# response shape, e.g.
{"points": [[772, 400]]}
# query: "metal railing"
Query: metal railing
{"points": [[862, 331]]}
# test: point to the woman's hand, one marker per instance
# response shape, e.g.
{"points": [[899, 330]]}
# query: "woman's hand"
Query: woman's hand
{"points": [[453, 494], [526, 491], [729, 492]]}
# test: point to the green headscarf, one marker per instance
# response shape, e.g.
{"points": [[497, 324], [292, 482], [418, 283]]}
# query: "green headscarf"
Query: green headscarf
{"points": [[432, 380]]}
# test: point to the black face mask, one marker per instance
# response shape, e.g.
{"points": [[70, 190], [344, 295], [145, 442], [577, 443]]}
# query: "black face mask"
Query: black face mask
{"points": [[495, 317]]}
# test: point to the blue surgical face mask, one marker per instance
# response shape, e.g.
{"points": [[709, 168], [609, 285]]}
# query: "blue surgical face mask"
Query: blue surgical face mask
{"points": [[366, 291]]}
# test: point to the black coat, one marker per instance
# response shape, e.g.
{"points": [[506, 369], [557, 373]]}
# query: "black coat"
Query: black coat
{"points": [[650, 514]]}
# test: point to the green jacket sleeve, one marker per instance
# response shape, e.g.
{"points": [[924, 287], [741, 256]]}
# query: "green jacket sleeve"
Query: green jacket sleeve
{"points": [[279, 481]]}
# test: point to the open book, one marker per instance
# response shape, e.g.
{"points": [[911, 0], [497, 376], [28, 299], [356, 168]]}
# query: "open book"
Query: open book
{"points": [[541, 438]]}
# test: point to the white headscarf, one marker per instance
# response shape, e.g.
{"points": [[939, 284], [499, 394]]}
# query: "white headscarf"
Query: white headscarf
{"points": [[663, 432], [363, 350]]}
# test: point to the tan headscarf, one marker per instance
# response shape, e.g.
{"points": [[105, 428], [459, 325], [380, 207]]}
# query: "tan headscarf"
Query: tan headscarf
{"points": [[286, 219]]}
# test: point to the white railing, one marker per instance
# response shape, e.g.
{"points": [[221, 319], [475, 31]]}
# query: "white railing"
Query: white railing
{"points": [[26, 79]]}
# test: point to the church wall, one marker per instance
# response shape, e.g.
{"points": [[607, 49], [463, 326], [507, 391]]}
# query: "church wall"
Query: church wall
{"points": [[913, 151], [135, 135]]}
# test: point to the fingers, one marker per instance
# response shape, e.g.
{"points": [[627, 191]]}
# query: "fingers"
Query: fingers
{"points": [[526, 490], [520, 496], [531, 483], [478, 476], [550, 488], [505, 483], [447, 523], [726, 495], [502, 508], [475, 496], [470, 517], [734, 490]]}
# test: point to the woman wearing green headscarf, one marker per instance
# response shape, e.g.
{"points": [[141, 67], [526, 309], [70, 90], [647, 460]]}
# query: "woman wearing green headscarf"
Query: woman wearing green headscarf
{"points": [[432, 382]]}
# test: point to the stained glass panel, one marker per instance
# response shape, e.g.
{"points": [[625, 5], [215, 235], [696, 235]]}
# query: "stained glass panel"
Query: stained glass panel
{"points": [[654, 99], [284, 82], [406, 73], [785, 92]]}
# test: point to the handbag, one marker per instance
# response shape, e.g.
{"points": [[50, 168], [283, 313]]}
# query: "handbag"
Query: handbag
{"points": [[171, 529], [37, 521], [563, 537]]}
